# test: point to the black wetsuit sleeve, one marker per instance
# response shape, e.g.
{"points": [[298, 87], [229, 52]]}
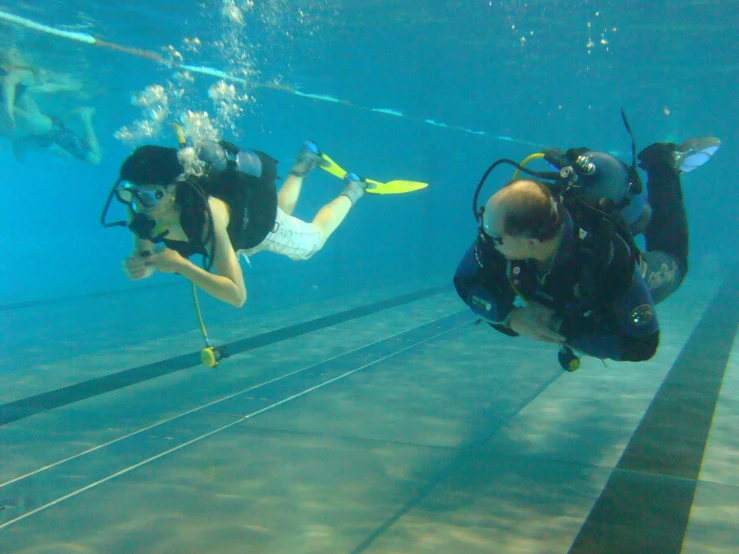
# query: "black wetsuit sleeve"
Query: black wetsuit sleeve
{"points": [[485, 289], [625, 329]]}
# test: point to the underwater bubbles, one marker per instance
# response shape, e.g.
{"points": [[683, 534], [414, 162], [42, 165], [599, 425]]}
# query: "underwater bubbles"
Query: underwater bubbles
{"points": [[192, 44], [152, 95], [198, 127], [240, 38], [228, 104], [222, 92], [232, 12], [138, 131], [603, 41], [198, 131], [190, 160], [155, 110]]}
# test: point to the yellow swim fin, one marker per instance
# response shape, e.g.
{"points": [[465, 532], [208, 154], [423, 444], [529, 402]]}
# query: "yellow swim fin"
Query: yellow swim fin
{"points": [[391, 187], [394, 187], [330, 166]]}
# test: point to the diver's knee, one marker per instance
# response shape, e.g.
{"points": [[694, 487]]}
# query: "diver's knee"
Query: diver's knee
{"points": [[321, 244]]}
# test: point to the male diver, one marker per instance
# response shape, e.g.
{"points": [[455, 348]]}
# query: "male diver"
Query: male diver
{"points": [[556, 261], [231, 206]]}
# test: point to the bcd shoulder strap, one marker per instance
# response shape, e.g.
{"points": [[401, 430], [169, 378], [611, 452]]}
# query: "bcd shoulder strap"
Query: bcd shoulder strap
{"points": [[608, 259]]}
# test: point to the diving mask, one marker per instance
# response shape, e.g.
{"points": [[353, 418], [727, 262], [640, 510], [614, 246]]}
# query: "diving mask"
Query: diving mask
{"points": [[137, 197], [139, 201]]}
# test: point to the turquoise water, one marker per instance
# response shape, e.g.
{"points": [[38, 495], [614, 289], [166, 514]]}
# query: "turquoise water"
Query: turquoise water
{"points": [[375, 417]]}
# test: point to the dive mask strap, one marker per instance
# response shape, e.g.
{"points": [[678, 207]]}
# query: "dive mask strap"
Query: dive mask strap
{"points": [[104, 214], [478, 212]]}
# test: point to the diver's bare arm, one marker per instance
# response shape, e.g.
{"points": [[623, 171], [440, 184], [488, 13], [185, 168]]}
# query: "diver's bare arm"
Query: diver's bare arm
{"points": [[217, 286], [228, 282]]}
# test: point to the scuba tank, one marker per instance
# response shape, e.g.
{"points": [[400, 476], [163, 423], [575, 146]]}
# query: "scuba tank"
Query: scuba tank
{"points": [[607, 183]]}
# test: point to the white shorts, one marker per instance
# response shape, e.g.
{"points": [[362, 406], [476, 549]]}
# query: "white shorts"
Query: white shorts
{"points": [[290, 237]]}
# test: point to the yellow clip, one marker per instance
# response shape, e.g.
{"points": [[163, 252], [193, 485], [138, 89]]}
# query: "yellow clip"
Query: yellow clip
{"points": [[180, 133], [210, 356]]}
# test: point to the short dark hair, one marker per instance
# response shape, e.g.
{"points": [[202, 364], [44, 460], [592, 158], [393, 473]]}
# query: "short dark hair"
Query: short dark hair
{"points": [[152, 165], [533, 216]]}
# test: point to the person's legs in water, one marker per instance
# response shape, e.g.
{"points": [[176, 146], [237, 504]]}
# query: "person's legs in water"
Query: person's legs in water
{"points": [[94, 155], [30, 121], [665, 263], [86, 149], [59, 138], [299, 240], [33, 126], [330, 216], [308, 157]]}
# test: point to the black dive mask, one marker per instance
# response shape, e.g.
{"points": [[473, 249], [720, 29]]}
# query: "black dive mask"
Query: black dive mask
{"points": [[134, 198]]}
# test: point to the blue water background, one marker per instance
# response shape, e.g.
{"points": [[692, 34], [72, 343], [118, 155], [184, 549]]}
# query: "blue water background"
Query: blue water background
{"points": [[672, 66]]}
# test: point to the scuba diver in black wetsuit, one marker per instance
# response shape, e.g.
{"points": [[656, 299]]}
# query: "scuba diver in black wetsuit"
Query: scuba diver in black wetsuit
{"points": [[229, 206], [555, 258]]}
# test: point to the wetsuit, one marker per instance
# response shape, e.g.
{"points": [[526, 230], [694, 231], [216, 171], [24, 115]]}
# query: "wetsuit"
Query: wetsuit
{"points": [[601, 295], [665, 263]]}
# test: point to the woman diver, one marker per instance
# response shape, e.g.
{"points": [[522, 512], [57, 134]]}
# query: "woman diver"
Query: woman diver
{"points": [[232, 207]]}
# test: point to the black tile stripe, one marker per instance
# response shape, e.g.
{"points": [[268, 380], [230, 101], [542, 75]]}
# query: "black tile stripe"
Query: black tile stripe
{"points": [[26, 407], [646, 503]]}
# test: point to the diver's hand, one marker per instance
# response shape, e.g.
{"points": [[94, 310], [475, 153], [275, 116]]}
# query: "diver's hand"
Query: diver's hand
{"points": [[534, 322], [135, 267], [166, 261]]}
